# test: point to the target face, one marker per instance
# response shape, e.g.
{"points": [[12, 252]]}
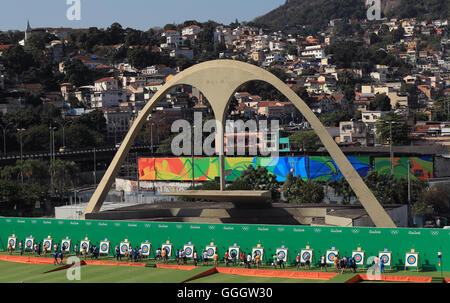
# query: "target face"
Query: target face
{"points": [[331, 255], [283, 252], [168, 249], [412, 260], [124, 247], [306, 253], [104, 247], [385, 257], [12, 241], [29, 243], [233, 250], [65, 245], [47, 245], [210, 251], [84, 245], [358, 256], [145, 249], [258, 251], [189, 250]]}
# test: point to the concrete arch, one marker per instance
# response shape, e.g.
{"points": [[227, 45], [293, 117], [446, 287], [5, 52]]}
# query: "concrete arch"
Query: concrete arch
{"points": [[219, 80]]}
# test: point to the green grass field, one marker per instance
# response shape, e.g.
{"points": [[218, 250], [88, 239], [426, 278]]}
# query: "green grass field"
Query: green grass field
{"points": [[11, 272]]}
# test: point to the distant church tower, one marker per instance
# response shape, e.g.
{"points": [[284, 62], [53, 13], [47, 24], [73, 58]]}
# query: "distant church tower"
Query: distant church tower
{"points": [[28, 30]]}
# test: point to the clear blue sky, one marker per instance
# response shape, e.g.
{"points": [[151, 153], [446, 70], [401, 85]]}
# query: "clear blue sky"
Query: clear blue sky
{"points": [[139, 14]]}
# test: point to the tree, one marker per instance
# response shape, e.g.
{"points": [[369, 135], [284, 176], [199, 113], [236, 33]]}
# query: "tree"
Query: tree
{"points": [[399, 129], [333, 118], [306, 141], [295, 190], [64, 178], [381, 102], [257, 178], [34, 171]]}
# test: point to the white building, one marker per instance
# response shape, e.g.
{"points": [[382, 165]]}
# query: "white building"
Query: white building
{"points": [[315, 50], [191, 30], [107, 94], [117, 122]]}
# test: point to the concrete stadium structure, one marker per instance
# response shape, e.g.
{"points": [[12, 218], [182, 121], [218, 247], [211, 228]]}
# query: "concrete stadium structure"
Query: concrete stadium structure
{"points": [[218, 80]]}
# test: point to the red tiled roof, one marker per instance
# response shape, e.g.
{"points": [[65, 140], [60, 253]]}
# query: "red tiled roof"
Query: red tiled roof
{"points": [[105, 79], [5, 46]]}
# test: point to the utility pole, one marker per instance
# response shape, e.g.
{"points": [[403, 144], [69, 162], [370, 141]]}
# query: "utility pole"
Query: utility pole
{"points": [[95, 169], [409, 192]]}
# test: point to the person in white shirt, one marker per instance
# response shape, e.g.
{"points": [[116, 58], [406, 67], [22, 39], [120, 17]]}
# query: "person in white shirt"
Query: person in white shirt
{"points": [[249, 260]]}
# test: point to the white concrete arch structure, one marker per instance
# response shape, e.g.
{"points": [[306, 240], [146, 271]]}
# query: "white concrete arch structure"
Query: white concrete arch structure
{"points": [[219, 80]]}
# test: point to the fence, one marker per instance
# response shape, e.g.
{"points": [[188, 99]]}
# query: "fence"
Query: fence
{"points": [[428, 242]]}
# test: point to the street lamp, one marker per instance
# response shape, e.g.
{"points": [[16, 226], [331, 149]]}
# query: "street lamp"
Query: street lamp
{"points": [[63, 126], [21, 130], [115, 133], [4, 136], [52, 155], [391, 152]]}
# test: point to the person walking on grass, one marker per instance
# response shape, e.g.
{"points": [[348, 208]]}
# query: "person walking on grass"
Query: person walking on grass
{"points": [[195, 258], [216, 259], [21, 248], [280, 261], [177, 256], [226, 258], [55, 255], [336, 263], [249, 260], [205, 257], [323, 263], [257, 260]]}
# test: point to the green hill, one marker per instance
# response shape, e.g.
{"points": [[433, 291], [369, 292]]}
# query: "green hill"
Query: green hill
{"points": [[319, 12]]}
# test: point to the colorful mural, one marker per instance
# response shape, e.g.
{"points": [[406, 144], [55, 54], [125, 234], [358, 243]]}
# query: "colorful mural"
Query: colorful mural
{"points": [[325, 169], [207, 169], [421, 167]]}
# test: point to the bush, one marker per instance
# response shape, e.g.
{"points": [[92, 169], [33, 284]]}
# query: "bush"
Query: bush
{"points": [[295, 190]]}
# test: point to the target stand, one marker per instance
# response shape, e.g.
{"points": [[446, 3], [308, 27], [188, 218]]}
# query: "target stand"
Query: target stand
{"points": [[168, 248], [29, 244], [331, 255], [258, 251], [47, 244], [210, 251], [305, 253], [189, 250], [386, 257], [146, 249], [12, 241], [284, 253], [359, 257], [412, 260], [124, 247], [104, 248]]}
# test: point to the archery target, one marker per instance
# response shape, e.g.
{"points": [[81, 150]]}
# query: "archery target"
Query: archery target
{"points": [[12, 241], [146, 248], [210, 251], [168, 248], [29, 243], [189, 250], [124, 247], [331, 255], [65, 243], [47, 244], [412, 260], [306, 253], [85, 245], [259, 251], [358, 256], [104, 247], [233, 249], [283, 252], [385, 257]]}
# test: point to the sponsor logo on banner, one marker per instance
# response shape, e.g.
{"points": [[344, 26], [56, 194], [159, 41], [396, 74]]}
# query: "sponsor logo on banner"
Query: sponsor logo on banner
{"points": [[228, 228], [162, 226], [299, 230], [317, 230], [179, 226], [394, 232], [20, 221], [263, 229], [102, 224], [211, 227], [434, 233], [374, 232], [195, 227], [33, 221], [336, 230], [280, 228], [414, 233], [47, 222], [245, 228], [74, 223], [132, 225], [147, 225], [8, 220], [355, 231], [88, 223]]}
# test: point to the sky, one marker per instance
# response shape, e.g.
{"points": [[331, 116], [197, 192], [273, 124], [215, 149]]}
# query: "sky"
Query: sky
{"points": [[138, 14]]}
